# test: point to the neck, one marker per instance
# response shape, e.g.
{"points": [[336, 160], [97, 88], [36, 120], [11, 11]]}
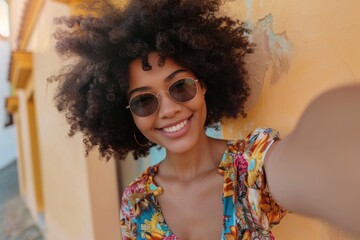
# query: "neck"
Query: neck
{"points": [[202, 158]]}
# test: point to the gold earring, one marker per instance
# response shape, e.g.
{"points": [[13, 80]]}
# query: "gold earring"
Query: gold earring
{"points": [[140, 144]]}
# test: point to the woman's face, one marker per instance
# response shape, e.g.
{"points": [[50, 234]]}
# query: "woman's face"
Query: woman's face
{"points": [[176, 126]]}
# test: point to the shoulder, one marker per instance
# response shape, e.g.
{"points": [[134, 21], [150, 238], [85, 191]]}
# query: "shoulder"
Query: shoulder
{"points": [[262, 134], [256, 145], [248, 155], [265, 209], [258, 140]]}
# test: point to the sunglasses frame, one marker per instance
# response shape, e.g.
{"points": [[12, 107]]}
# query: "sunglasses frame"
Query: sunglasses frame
{"points": [[157, 95]]}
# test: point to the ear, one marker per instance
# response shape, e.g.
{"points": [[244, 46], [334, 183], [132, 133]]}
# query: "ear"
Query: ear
{"points": [[203, 88]]}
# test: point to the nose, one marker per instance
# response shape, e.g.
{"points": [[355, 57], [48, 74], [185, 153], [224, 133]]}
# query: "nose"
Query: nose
{"points": [[168, 107]]}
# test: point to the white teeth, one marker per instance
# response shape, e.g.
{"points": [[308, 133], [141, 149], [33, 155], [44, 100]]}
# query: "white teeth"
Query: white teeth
{"points": [[176, 128]]}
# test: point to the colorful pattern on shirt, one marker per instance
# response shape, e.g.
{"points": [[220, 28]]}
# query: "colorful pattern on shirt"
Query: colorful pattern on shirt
{"points": [[249, 209]]}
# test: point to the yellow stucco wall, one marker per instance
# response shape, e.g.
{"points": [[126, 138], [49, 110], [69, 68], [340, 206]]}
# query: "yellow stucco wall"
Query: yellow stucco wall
{"points": [[80, 193], [66, 190], [303, 48]]}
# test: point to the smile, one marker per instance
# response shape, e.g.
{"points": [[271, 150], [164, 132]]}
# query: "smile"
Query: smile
{"points": [[176, 127]]}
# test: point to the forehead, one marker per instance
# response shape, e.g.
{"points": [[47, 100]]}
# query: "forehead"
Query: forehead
{"points": [[138, 77]]}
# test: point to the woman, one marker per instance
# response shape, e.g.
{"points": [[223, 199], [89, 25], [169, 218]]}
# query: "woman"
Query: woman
{"points": [[158, 73]]}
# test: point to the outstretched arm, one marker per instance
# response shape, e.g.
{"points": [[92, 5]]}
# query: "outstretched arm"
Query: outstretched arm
{"points": [[316, 169]]}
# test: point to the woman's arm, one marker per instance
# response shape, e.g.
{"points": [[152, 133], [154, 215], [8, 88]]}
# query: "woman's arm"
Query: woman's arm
{"points": [[316, 169]]}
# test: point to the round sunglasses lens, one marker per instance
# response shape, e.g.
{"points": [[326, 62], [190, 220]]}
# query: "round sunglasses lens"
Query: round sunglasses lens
{"points": [[183, 90], [144, 104]]}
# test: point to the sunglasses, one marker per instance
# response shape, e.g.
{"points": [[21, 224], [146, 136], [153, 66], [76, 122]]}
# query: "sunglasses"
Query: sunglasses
{"points": [[145, 104]]}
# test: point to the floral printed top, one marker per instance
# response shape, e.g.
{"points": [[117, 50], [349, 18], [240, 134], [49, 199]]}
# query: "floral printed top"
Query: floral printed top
{"points": [[249, 210]]}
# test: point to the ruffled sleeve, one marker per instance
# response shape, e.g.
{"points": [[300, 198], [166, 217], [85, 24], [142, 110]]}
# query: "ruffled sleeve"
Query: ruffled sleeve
{"points": [[264, 208]]}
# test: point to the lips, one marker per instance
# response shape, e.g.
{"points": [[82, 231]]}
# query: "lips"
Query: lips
{"points": [[176, 129]]}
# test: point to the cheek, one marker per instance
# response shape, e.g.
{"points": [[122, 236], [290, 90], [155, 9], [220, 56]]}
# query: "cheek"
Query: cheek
{"points": [[202, 103], [200, 107], [204, 111], [143, 123]]}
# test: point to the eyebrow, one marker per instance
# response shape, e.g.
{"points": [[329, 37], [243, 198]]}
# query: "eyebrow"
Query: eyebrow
{"points": [[167, 79]]}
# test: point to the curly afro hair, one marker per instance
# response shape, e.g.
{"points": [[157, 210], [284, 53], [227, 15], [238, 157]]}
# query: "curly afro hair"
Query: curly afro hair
{"points": [[92, 90]]}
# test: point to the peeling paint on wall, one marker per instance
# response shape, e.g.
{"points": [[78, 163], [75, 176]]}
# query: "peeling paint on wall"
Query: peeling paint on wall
{"points": [[271, 56], [279, 47]]}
